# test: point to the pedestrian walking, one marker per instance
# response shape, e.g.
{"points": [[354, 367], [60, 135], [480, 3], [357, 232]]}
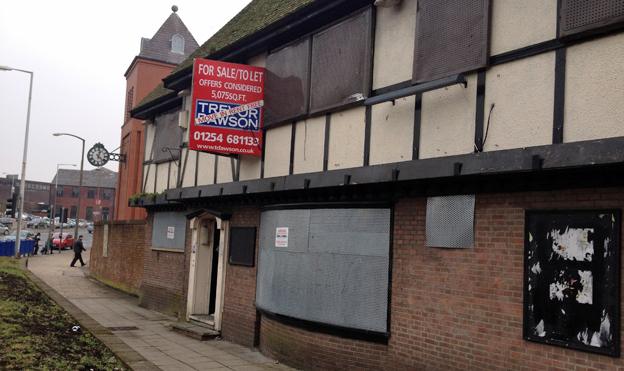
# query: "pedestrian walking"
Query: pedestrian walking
{"points": [[78, 249], [37, 239]]}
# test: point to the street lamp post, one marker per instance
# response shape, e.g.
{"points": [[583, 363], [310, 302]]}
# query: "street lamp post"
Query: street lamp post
{"points": [[80, 181], [24, 157], [53, 211]]}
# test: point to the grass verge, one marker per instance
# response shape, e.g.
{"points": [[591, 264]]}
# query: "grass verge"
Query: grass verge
{"points": [[35, 333]]}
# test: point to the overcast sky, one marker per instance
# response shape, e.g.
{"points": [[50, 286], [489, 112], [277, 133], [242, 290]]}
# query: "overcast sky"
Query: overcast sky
{"points": [[79, 51]]}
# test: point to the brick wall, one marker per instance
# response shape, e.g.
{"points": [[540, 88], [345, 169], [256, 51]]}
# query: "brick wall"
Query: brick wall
{"points": [[123, 267], [165, 277], [452, 309], [239, 310]]}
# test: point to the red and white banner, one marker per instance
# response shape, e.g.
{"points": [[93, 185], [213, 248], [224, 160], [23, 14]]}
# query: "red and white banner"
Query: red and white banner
{"points": [[227, 108]]}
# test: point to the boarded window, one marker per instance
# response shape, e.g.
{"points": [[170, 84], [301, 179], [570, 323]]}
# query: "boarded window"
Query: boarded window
{"points": [[287, 82], [571, 288], [341, 63], [169, 230], [243, 246], [450, 221], [583, 15], [167, 138], [326, 265], [451, 37]]}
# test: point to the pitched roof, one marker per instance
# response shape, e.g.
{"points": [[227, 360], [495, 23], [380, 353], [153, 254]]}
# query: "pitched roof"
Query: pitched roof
{"points": [[159, 46], [100, 177], [256, 16]]}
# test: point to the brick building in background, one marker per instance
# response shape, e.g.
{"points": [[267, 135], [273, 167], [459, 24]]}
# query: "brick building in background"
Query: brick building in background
{"points": [[36, 196], [97, 193], [170, 45]]}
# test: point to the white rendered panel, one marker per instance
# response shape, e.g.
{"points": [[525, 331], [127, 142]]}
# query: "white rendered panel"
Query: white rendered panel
{"points": [[346, 139], [205, 169], [249, 167], [309, 145], [277, 151], [392, 131]]}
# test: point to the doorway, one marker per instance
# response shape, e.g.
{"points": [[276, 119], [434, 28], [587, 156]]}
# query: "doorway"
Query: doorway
{"points": [[207, 270]]}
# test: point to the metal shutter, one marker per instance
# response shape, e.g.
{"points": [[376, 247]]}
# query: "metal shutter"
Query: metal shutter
{"points": [[287, 82], [450, 221], [341, 63], [169, 230], [582, 15], [334, 269], [451, 37]]}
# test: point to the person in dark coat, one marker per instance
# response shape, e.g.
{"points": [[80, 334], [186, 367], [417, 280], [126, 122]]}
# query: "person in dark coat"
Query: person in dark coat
{"points": [[37, 239], [78, 249]]}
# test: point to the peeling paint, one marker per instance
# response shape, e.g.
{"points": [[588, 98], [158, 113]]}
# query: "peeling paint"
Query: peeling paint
{"points": [[606, 246], [586, 293], [536, 268], [573, 243], [539, 329], [556, 290], [530, 237]]}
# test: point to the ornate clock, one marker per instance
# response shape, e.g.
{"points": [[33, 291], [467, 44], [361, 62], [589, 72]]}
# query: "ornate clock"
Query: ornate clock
{"points": [[98, 155]]}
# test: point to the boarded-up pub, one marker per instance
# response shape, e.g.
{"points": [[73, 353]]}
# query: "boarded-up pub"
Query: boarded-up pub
{"points": [[395, 184]]}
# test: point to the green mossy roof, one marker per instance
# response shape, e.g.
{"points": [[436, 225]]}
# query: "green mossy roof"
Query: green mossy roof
{"points": [[256, 16]]}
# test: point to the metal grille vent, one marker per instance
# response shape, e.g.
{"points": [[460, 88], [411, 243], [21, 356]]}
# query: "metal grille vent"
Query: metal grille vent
{"points": [[450, 221], [582, 15], [452, 37]]}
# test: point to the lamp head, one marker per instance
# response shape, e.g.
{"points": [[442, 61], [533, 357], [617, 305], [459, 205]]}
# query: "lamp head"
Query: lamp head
{"points": [[6, 68]]}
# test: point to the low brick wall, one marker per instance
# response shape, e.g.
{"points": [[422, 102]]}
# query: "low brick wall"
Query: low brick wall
{"points": [[120, 265], [165, 281]]}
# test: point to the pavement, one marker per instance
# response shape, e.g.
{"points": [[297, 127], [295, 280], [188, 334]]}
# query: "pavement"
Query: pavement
{"points": [[144, 331]]}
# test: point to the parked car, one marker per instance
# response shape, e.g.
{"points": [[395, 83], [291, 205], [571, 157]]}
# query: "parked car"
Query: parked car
{"points": [[62, 242], [4, 230], [24, 235], [7, 221]]}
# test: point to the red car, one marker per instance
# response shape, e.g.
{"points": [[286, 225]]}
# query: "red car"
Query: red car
{"points": [[62, 243]]}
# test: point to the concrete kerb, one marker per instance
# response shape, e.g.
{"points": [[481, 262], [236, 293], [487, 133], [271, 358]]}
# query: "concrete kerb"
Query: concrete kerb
{"points": [[126, 354]]}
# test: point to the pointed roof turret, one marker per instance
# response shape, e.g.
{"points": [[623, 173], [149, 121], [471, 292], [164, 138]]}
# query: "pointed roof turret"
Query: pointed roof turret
{"points": [[172, 43]]}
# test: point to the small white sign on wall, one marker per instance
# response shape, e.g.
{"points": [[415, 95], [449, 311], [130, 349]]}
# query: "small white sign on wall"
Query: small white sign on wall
{"points": [[281, 237], [170, 233]]}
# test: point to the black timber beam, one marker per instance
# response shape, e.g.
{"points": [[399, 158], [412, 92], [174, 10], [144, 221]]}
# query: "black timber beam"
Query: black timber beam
{"points": [[584, 155]]}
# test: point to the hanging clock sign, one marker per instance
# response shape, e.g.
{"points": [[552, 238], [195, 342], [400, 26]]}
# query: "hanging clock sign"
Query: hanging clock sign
{"points": [[98, 155]]}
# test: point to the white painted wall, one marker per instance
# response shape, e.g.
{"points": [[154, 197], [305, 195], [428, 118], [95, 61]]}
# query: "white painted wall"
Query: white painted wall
{"points": [[346, 139], [162, 174], [523, 94], [249, 167], [277, 151], [150, 130], [173, 176], [188, 179], [594, 91], [224, 169], [516, 24], [392, 131], [448, 120], [395, 30], [309, 145], [205, 171], [149, 177]]}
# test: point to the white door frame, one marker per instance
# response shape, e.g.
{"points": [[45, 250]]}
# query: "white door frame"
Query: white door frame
{"points": [[223, 226]]}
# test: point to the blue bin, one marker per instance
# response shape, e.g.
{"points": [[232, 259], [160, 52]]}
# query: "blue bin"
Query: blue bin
{"points": [[7, 248]]}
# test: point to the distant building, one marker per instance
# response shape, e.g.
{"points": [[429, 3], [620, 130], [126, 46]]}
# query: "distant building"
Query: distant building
{"points": [[170, 45], [97, 193], [36, 195]]}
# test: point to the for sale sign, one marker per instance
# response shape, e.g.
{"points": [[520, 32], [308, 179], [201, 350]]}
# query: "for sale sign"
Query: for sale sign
{"points": [[227, 108]]}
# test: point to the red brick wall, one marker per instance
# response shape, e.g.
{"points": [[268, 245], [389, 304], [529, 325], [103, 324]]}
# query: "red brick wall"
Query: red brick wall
{"points": [[451, 309], [239, 309], [165, 277], [123, 268]]}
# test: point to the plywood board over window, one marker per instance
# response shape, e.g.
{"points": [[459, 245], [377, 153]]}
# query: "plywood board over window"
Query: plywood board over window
{"points": [[167, 135], [341, 63], [287, 82], [451, 37]]}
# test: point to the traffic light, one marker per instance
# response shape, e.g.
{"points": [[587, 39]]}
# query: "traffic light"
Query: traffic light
{"points": [[11, 206]]}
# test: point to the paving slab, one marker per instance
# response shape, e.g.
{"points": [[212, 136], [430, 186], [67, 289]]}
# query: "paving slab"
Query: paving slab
{"points": [[153, 345]]}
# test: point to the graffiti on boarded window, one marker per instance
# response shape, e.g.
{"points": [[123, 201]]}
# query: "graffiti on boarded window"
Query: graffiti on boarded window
{"points": [[571, 284]]}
